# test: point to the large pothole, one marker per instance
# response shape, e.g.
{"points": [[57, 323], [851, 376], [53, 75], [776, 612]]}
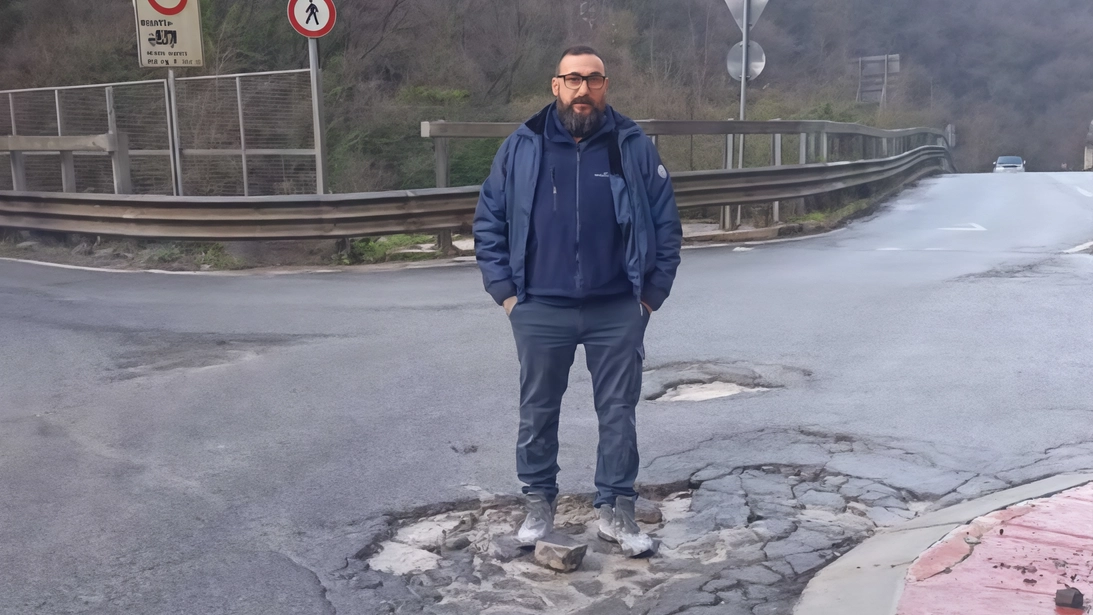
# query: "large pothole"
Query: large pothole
{"points": [[747, 541], [740, 535]]}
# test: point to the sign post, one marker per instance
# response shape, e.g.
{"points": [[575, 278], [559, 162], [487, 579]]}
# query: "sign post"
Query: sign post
{"points": [[169, 33], [745, 47], [315, 19], [747, 59]]}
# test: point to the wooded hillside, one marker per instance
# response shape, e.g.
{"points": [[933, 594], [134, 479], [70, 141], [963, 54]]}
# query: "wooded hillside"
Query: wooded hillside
{"points": [[1014, 76]]}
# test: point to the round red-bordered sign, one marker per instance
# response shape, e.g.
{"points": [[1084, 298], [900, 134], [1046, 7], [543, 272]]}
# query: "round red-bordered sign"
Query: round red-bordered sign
{"points": [[324, 18], [166, 11]]}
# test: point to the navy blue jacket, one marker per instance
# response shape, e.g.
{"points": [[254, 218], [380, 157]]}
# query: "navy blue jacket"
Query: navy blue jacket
{"points": [[644, 203], [575, 246]]}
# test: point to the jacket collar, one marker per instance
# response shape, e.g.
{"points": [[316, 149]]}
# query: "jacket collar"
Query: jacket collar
{"points": [[536, 126]]}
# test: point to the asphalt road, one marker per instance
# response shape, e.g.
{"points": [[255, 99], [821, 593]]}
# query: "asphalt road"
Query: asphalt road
{"points": [[195, 444]]}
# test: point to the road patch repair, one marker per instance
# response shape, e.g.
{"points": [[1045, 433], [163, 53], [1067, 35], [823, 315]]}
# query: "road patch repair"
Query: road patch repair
{"points": [[739, 534]]}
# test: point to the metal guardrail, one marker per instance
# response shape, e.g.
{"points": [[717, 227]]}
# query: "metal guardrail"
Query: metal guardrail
{"points": [[654, 128], [434, 210], [819, 141]]}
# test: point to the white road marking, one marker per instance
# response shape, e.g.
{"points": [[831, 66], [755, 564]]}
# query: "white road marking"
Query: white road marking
{"points": [[1084, 192], [889, 249], [1081, 248], [163, 272], [970, 227], [789, 239], [74, 267], [742, 249]]}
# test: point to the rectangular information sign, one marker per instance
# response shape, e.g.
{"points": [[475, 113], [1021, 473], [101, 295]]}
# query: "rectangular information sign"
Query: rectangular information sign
{"points": [[169, 33]]}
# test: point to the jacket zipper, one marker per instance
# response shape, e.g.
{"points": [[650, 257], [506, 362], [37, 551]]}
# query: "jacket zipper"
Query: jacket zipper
{"points": [[580, 279], [554, 185]]}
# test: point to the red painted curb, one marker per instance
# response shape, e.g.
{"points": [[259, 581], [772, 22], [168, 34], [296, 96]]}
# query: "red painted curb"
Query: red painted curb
{"points": [[1011, 561]]}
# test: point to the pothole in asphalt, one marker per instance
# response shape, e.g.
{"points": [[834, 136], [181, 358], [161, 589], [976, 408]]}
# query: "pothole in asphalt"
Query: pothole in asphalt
{"points": [[703, 381], [748, 540], [707, 391]]}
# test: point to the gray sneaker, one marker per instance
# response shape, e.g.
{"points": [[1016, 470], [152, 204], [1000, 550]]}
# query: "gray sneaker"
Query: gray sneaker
{"points": [[617, 524], [539, 521]]}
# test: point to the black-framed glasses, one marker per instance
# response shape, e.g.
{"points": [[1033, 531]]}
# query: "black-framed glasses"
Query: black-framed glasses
{"points": [[573, 81]]}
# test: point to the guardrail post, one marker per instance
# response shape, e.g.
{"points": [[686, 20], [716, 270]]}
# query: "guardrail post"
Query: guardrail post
{"points": [[777, 163], [18, 162], [18, 171], [123, 182], [120, 156], [725, 221], [443, 170], [803, 147], [824, 152], [68, 163]]}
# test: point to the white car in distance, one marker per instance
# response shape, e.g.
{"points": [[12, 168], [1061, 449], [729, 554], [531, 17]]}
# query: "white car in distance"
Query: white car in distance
{"points": [[1009, 164]]}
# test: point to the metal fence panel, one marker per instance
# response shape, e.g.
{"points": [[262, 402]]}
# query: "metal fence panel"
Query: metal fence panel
{"points": [[249, 134], [34, 113], [5, 172], [272, 175], [140, 111], [212, 175], [44, 173], [259, 125]]}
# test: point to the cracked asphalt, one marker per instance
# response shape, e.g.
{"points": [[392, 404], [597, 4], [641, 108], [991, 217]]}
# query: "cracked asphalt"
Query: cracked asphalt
{"points": [[202, 444]]}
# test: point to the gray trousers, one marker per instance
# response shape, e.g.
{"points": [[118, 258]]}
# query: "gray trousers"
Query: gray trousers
{"points": [[612, 333]]}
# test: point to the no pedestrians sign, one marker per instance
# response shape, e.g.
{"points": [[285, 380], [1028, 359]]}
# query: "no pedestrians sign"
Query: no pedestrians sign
{"points": [[312, 18], [169, 33]]}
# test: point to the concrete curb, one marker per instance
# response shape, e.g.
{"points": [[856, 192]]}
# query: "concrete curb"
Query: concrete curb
{"points": [[869, 579]]}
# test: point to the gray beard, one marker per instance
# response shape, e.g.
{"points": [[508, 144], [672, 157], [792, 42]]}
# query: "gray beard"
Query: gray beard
{"points": [[581, 126]]}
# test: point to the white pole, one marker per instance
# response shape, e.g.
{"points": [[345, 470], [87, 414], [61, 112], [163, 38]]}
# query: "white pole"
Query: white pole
{"points": [[744, 77], [318, 117], [176, 135]]}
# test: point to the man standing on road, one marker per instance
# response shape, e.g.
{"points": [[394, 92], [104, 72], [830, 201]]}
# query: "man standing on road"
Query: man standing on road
{"points": [[577, 236]]}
